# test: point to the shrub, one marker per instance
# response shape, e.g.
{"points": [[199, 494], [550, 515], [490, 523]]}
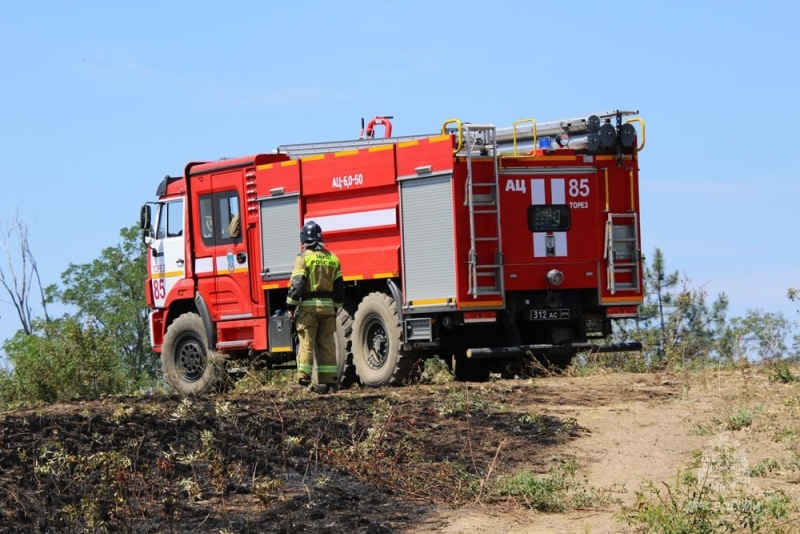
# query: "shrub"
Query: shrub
{"points": [[61, 360], [741, 419], [780, 372], [435, 371], [707, 500], [557, 490]]}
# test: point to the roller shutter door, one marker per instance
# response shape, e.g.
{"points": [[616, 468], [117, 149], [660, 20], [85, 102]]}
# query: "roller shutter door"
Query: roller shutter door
{"points": [[280, 236], [428, 242]]}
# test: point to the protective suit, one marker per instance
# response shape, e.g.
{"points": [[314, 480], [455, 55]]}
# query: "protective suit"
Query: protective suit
{"points": [[316, 291]]}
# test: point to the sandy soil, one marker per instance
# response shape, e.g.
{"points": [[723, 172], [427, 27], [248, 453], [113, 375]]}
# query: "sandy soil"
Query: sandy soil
{"points": [[645, 428]]}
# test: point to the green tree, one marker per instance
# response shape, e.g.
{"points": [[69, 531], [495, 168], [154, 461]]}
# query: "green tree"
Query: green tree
{"points": [[676, 325], [650, 327], [109, 295], [693, 327], [758, 334], [61, 359], [658, 287]]}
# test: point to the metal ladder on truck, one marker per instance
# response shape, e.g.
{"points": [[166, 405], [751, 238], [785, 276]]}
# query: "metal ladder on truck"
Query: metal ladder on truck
{"points": [[622, 252], [486, 276]]}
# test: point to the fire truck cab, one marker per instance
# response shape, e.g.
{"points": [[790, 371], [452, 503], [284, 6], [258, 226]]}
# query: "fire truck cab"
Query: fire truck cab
{"points": [[476, 244]]}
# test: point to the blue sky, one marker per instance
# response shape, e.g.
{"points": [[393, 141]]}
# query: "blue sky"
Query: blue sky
{"points": [[100, 100]]}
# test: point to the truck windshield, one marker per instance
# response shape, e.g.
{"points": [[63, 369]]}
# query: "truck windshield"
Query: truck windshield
{"points": [[170, 219]]}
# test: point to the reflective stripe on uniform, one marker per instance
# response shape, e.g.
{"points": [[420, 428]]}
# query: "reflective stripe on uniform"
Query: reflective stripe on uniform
{"points": [[315, 302]]}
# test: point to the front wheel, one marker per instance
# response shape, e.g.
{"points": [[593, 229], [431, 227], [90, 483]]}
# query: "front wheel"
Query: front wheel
{"points": [[189, 366], [377, 342]]}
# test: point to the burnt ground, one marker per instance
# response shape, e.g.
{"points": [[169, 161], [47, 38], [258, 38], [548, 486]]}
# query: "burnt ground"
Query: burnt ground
{"points": [[272, 461], [361, 460]]}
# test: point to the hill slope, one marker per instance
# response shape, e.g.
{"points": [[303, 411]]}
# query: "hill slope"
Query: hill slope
{"points": [[423, 458]]}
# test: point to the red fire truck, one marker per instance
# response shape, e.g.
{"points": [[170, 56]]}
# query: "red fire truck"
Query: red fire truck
{"points": [[474, 244]]}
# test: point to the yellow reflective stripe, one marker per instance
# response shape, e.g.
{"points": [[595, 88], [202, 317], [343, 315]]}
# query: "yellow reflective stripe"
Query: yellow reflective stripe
{"points": [[267, 166], [439, 139], [481, 304], [379, 148], [428, 302], [326, 368], [167, 275], [302, 367], [632, 300], [351, 277], [404, 144]]}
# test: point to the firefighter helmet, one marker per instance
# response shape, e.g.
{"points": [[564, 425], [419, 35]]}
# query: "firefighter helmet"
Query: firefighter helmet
{"points": [[311, 234]]}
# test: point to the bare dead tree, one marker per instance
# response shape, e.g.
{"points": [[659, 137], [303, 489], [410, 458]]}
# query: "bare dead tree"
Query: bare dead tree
{"points": [[21, 270]]}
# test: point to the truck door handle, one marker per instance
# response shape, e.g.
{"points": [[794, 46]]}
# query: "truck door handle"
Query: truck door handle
{"points": [[179, 262], [241, 257]]}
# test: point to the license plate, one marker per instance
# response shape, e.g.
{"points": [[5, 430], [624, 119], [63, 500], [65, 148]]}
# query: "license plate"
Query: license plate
{"points": [[549, 315]]}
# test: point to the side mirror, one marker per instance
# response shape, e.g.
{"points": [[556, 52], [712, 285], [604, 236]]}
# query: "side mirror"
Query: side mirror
{"points": [[145, 218], [145, 223]]}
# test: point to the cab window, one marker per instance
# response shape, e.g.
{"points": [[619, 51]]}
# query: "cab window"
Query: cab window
{"points": [[175, 219], [207, 220], [219, 215], [229, 216], [170, 220]]}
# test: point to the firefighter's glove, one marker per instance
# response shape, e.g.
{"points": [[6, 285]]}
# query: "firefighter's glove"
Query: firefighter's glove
{"points": [[290, 312]]}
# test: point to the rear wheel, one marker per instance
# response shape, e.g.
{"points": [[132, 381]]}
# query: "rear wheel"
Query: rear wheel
{"points": [[377, 342], [189, 366], [344, 355]]}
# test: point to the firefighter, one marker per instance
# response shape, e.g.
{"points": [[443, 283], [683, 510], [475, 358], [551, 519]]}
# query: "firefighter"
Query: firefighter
{"points": [[316, 292]]}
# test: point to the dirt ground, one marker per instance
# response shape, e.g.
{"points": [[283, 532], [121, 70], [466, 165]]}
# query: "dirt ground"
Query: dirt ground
{"points": [[385, 460]]}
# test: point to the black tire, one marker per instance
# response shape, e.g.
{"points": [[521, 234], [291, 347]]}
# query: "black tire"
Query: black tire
{"points": [[189, 366], [344, 353], [377, 342]]}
